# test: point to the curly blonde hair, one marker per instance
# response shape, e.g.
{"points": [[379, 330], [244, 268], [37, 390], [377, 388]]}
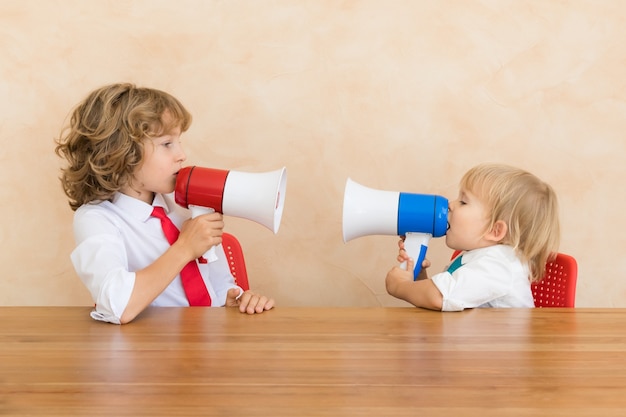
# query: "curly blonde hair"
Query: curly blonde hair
{"points": [[529, 207], [104, 142]]}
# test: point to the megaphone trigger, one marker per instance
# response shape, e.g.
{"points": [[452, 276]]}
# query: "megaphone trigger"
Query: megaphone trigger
{"points": [[416, 245], [210, 255]]}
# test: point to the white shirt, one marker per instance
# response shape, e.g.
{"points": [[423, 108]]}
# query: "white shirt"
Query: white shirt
{"points": [[488, 277], [116, 238]]}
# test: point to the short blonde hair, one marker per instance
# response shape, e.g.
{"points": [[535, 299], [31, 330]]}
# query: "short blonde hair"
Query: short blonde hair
{"points": [[526, 204], [103, 143]]}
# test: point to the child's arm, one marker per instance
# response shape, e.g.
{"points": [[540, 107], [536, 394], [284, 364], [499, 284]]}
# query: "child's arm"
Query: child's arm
{"points": [[196, 237], [421, 293]]}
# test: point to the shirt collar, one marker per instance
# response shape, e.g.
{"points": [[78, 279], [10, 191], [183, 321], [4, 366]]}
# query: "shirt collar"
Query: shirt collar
{"points": [[138, 208], [506, 250]]}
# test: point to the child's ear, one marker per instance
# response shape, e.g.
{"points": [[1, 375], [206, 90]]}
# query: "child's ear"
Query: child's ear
{"points": [[498, 231]]}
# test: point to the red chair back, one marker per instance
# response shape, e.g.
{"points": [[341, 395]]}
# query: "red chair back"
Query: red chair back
{"points": [[558, 286], [236, 261]]}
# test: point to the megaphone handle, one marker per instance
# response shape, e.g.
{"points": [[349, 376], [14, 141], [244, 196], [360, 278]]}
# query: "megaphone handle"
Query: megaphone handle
{"points": [[415, 245], [196, 211]]}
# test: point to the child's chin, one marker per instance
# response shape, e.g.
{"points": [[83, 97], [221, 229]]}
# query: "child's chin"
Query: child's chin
{"points": [[170, 189], [451, 243]]}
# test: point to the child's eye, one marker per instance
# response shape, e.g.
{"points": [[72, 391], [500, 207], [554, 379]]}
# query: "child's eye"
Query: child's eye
{"points": [[462, 202]]}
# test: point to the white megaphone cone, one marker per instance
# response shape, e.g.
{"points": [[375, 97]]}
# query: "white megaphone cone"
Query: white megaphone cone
{"points": [[256, 197], [259, 197], [418, 217], [368, 212]]}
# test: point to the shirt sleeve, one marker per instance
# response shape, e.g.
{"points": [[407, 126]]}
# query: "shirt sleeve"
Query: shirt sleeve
{"points": [[473, 285], [100, 260]]}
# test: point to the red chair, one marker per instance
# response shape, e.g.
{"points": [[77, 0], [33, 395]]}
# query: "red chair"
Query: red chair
{"points": [[558, 286], [236, 261]]}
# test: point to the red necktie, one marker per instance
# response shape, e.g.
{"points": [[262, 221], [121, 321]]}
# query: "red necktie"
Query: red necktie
{"points": [[194, 286]]}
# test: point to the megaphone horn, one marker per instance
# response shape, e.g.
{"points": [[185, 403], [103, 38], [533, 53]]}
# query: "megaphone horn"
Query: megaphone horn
{"points": [[367, 211], [418, 217], [259, 197]]}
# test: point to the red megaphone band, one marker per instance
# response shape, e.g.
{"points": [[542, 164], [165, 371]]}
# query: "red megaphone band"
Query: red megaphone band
{"points": [[201, 187]]}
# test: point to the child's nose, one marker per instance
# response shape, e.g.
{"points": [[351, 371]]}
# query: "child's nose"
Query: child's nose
{"points": [[182, 156]]}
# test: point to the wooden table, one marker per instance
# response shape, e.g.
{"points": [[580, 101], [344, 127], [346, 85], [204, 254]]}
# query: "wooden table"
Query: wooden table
{"points": [[314, 362]]}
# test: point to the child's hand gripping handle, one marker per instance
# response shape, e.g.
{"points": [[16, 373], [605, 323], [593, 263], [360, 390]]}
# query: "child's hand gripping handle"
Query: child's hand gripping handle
{"points": [[415, 245], [196, 211]]}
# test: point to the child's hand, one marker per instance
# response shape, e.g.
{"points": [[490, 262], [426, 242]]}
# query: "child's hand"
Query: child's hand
{"points": [[404, 257], [201, 233], [249, 302], [397, 276], [421, 293]]}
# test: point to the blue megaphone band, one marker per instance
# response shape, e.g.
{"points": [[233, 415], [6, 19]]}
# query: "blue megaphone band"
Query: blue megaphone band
{"points": [[418, 262], [422, 213]]}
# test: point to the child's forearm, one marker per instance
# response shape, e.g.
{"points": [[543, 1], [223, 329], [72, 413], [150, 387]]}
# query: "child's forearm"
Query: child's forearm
{"points": [[152, 281], [421, 293]]}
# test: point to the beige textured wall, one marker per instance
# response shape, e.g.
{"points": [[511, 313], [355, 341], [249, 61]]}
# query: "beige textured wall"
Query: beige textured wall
{"points": [[399, 95]]}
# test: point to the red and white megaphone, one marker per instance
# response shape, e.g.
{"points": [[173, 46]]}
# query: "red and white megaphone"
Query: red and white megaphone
{"points": [[418, 217], [259, 197]]}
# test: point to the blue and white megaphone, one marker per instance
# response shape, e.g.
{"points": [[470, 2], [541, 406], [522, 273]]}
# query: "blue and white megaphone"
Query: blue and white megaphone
{"points": [[418, 217]]}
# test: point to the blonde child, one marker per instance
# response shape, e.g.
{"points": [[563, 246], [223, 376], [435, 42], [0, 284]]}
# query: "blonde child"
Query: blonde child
{"points": [[505, 222], [123, 151]]}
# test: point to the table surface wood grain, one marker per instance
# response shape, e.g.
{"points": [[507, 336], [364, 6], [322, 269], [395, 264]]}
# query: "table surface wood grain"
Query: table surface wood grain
{"points": [[57, 361]]}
